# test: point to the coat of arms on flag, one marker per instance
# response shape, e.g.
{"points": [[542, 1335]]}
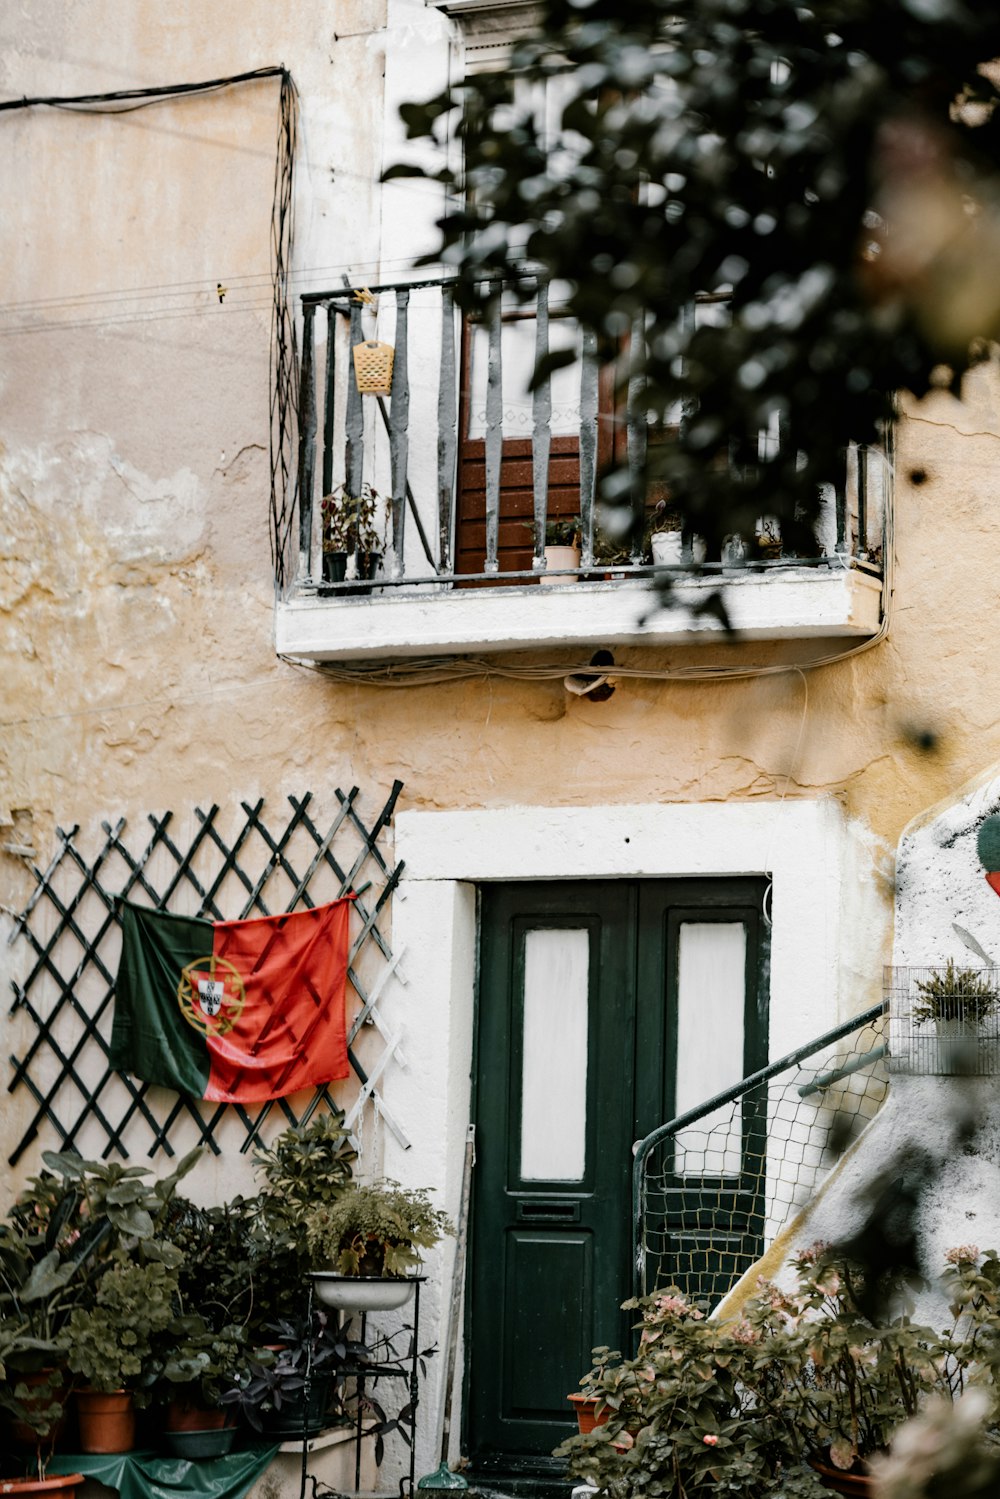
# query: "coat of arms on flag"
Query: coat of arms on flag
{"points": [[232, 1011]]}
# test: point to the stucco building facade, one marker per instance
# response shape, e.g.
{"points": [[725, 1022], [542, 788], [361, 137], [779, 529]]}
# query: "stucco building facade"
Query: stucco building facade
{"points": [[151, 663]]}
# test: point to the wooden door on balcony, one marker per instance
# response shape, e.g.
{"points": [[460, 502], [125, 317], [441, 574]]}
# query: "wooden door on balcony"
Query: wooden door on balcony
{"points": [[516, 537]]}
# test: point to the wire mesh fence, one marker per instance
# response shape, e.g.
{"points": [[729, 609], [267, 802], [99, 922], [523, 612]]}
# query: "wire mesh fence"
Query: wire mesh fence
{"points": [[714, 1187], [944, 1020]]}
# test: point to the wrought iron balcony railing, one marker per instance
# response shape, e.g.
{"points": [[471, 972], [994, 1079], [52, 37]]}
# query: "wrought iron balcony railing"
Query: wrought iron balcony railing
{"points": [[470, 465]]}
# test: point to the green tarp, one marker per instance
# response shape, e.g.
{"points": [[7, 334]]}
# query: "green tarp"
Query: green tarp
{"points": [[143, 1475]]}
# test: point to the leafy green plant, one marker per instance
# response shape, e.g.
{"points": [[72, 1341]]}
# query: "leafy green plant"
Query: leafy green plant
{"points": [[112, 1344], [710, 1406], [244, 1265], [560, 531], [563, 531], [956, 994], [350, 521], [276, 1377], [306, 1164], [375, 1229], [70, 1224]]}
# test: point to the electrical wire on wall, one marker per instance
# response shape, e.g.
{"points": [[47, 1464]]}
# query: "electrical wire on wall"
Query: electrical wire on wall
{"points": [[284, 349]]}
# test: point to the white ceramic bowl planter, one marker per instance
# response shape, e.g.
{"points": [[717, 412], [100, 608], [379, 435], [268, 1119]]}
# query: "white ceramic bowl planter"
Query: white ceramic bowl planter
{"points": [[360, 1293]]}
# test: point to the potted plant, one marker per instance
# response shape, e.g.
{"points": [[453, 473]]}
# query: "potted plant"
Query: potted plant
{"points": [[112, 1347], [666, 536], [295, 1386], [767, 541], [562, 547], [306, 1164], [956, 1000], [56, 1243], [798, 1393], [36, 1411], [353, 542], [369, 1239]]}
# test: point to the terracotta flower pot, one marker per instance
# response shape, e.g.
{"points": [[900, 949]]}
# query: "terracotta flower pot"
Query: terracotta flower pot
{"points": [[855, 1485], [61, 1486], [184, 1415], [107, 1422], [586, 1411]]}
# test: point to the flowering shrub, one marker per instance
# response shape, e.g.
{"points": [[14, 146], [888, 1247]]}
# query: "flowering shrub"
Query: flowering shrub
{"points": [[710, 1406]]}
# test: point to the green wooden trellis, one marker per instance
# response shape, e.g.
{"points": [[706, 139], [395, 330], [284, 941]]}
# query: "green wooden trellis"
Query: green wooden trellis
{"points": [[72, 931]]}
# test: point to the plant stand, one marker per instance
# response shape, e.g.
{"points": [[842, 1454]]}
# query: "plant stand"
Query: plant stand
{"points": [[389, 1367]]}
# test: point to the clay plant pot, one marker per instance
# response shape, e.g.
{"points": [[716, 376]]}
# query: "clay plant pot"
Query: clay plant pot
{"points": [[61, 1486], [183, 1415], [557, 558], [107, 1422], [854, 1485], [587, 1416]]}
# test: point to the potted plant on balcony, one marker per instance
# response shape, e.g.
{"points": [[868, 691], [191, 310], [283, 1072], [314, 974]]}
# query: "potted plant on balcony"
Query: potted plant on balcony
{"points": [[369, 1242], [956, 1001], [353, 540], [767, 541], [562, 548], [666, 536]]}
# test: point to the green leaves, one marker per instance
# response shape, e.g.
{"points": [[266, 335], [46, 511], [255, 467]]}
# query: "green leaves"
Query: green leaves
{"points": [[715, 1407], [764, 149], [47, 1277], [375, 1229]]}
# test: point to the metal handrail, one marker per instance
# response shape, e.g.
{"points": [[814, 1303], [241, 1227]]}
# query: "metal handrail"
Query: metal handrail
{"points": [[642, 1148]]}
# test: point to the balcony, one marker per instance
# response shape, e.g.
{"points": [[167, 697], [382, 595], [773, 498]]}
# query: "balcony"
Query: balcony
{"points": [[469, 466]]}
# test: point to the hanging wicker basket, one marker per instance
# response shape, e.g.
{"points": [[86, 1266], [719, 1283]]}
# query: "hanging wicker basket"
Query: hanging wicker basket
{"points": [[373, 367]]}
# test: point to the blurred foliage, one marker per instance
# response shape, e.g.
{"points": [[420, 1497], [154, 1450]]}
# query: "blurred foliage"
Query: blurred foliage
{"points": [[835, 165]]}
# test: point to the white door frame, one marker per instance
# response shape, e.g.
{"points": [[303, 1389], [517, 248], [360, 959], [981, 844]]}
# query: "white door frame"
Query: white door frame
{"points": [[829, 924]]}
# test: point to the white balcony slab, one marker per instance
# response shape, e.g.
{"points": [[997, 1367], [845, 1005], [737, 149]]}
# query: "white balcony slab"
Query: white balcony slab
{"points": [[783, 604]]}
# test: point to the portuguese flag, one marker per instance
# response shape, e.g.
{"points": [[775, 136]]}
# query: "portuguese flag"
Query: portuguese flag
{"points": [[233, 1011]]}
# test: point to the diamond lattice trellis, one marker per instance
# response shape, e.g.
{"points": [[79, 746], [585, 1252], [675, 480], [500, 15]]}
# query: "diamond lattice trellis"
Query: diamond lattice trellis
{"points": [[227, 866]]}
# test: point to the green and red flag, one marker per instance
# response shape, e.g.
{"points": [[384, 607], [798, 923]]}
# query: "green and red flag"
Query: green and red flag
{"points": [[233, 1011], [988, 846]]}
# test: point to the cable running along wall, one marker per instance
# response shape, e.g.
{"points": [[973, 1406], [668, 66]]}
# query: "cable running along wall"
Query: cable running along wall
{"points": [[284, 349]]}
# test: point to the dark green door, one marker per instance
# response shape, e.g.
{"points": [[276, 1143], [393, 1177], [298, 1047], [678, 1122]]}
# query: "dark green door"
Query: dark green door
{"points": [[586, 991]]}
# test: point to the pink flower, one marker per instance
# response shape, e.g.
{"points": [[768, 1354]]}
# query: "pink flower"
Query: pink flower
{"points": [[671, 1305], [962, 1254], [710, 1440]]}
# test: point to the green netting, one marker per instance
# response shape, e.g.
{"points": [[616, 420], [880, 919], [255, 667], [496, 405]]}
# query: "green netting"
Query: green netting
{"points": [[714, 1187]]}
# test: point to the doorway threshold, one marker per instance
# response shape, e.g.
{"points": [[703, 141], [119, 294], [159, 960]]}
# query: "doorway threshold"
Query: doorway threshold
{"points": [[541, 1480]]}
